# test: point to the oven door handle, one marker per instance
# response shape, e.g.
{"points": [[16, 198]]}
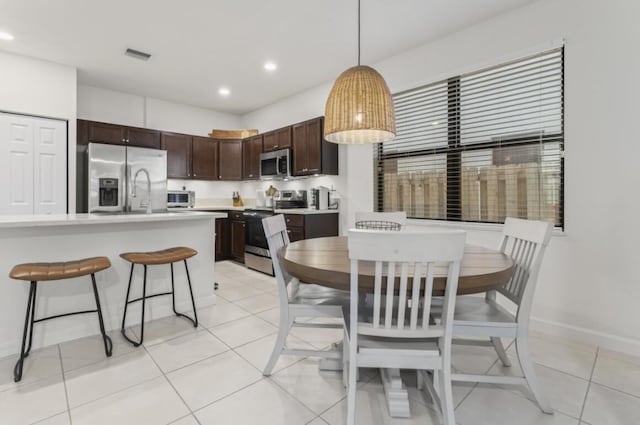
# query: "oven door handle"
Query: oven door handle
{"points": [[278, 166]]}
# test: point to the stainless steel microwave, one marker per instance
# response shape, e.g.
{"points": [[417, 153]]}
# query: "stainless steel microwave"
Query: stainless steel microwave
{"points": [[275, 165], [180, 198]]}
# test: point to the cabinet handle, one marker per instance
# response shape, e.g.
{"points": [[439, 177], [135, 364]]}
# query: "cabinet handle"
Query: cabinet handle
{"points": [[124, 140], [275, 146], [194, 174]]}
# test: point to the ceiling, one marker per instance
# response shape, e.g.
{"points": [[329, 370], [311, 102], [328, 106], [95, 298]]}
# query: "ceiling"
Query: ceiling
{"points": [[197, 46]]}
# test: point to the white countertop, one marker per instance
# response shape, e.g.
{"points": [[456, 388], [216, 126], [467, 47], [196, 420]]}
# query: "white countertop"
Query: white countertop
{"points": [[302, 211], [15, 221]]}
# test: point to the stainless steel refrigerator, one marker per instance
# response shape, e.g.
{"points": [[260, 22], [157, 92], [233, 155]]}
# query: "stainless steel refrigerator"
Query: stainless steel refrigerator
{"points": [[116, 179]]}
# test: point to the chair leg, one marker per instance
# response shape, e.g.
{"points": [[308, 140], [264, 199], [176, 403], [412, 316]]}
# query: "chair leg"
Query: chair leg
{"points": [[502, 353], [283, 331], [28, 327], [446, 396], [352, 388], [524, 357], [33, 313], [108, 344], [193, 303]]}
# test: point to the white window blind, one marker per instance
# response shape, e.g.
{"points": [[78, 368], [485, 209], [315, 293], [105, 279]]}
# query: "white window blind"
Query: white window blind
{"points": [[479, 147]]}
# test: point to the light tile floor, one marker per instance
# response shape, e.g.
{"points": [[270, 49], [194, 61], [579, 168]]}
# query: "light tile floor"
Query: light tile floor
{"points": [[212, 375]]}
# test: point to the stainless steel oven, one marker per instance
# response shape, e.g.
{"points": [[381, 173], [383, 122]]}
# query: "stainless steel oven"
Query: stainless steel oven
{"points": [[275, 165], [256, 248]]}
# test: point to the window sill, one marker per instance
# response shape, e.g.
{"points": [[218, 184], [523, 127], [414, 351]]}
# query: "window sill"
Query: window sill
{"points": [[486, 227]]}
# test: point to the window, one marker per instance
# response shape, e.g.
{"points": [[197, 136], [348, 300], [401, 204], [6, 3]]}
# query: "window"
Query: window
{"points": [[479, 147]]}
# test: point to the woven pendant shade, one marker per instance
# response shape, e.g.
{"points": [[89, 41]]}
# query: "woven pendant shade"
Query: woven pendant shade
{"points": [[359, 108]]}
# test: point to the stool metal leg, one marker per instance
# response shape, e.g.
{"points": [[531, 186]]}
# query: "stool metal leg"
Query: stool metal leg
{"points": [[108, 344], [173, 297], [33, 313], [126, 304], [28, 327], [144, 299]]}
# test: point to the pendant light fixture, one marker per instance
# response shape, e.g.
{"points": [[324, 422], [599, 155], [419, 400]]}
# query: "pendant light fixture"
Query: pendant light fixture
{"points": [[359, 109]]}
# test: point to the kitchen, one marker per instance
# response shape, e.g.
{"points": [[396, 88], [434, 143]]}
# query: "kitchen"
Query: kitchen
{"points": [[216, 67]]}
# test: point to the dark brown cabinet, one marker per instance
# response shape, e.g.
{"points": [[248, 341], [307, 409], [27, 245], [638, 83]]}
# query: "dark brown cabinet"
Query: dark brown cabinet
{"points": [[204, 158], [113, 134], [251, 150], [230, 163], [223, 239], [277, 139], [237, 236], [311, 153], [178, 147], [311, 226]]}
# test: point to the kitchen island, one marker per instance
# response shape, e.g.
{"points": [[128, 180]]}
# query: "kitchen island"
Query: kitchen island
{"points": [[45, 238]]}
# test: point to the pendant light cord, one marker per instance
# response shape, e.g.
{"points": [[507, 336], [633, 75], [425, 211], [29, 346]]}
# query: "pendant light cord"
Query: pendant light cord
{"points": [[358, 32]]}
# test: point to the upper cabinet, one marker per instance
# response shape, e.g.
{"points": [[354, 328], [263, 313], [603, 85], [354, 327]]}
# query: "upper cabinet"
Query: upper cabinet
{"points": [[178, 147], [230, 163], [98, 132], [277, 139], [204, 161], [251, 150], [311, 153]]}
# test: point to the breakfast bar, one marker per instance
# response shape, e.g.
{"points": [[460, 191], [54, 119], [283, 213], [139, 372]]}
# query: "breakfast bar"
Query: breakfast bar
{"points": [[51, 238]]}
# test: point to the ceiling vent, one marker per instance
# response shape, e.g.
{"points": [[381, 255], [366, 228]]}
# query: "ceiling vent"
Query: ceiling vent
{"points": [[137, 54]]}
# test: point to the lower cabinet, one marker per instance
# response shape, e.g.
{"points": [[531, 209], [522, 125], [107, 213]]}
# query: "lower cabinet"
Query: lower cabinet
{"points": [[223, 239], [309, 226], [237, 236]]}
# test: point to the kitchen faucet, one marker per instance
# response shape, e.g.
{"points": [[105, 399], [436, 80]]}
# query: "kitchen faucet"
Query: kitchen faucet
{"points": [[143, 170]]}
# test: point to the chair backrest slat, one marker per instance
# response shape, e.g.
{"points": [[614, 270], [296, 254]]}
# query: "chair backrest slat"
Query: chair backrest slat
{"points": [[415, 296], [428, 290], [525, 242], [406, 257], [391, 279]]}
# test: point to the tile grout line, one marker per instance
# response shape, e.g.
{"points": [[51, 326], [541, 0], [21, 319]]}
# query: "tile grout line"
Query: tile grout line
{"points": [[64, 383], [586, 395], [164, 375]]}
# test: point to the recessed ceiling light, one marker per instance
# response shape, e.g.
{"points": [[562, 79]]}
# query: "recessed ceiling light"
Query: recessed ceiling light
{"points": [[5, 36], [270, 66], [223, 91]]}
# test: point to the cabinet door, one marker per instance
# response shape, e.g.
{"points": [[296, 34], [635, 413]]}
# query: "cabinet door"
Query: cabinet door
{"points": [[98, 132], [295, 234], [204, 158], [143, 137], [230, 159], [222, 239], [251, 150], [16, 164], [300, 150], [237, 240], [283, 136], [314, 146], [270, 141], [50, 166], [178, 147]]}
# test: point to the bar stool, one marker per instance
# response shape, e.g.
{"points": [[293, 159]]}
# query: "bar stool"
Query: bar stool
{"points": [[38, 272], [166, 256]]}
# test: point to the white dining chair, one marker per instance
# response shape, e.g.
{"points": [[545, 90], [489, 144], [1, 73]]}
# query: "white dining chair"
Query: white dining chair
{"points": [[372, 220], [398, 332], [525, 242], [298, 299]]}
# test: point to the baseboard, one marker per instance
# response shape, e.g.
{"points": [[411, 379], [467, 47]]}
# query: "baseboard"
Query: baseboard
{"points": [[587, 336]]}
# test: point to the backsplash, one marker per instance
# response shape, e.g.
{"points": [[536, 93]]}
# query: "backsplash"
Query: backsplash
{"points": [[210, 192]]}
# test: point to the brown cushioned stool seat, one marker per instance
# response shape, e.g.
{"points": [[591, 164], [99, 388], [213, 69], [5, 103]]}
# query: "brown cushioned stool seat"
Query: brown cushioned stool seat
{"points": [[153, 258], [38, 272], [61, 270], [165, 256]]}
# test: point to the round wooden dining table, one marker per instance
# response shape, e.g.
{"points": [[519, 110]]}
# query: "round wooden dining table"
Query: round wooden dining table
{"points": [[325, 261]]}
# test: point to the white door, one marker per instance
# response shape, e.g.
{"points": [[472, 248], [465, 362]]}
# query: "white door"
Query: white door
{"points": [[16, 164], [33, 165], [50, 166]]}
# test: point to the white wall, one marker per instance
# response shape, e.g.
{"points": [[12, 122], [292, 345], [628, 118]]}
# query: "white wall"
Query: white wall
{"points": [[589, 288], [36, 87], [98, 104]]}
